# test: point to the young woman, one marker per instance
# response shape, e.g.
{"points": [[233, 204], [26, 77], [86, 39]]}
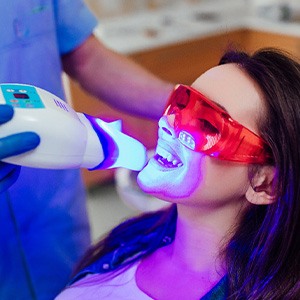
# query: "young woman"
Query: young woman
{"points": [[228, 161]]}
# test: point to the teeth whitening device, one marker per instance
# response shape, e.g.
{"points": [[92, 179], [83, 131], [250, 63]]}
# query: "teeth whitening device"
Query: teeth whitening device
{"points": [[68, 139]]}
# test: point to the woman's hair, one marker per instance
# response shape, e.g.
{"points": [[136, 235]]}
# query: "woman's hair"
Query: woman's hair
{"points": [[263, 255]]}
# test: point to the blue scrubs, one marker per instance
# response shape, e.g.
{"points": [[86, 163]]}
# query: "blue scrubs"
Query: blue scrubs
{"points": [[43, 220]]}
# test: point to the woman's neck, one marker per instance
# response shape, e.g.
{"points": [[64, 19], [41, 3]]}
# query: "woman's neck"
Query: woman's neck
{"points": [[201, 237], [193, 260]]}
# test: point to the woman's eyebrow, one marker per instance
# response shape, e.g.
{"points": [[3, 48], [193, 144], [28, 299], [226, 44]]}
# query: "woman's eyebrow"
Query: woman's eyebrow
{"points": [[219, 105], [216, 103]]}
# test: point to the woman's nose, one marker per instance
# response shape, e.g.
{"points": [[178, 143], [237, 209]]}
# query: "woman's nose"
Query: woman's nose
{"points": [[166, 128]]}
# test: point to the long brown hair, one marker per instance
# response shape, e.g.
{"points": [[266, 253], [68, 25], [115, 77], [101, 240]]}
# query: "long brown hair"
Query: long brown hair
{"points": [[263, 257]]}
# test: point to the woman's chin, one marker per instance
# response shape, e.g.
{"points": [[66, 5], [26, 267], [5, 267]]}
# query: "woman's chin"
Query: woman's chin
{"points": [[144, 181], [148, 182]]}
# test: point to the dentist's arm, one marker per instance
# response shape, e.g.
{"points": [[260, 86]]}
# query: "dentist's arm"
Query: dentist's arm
{"points": [[13, 145], [117, 80]]}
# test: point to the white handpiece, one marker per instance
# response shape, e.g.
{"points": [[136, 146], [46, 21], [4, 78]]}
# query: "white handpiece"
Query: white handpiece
{"points": [[68, 139]]}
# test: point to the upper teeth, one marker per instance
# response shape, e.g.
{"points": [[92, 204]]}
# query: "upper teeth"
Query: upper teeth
{"points": [[167, 157]]}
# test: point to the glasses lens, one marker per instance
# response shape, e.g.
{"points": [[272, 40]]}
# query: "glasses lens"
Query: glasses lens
{"points": [[202, 126], [178, 100], [196, 124]]}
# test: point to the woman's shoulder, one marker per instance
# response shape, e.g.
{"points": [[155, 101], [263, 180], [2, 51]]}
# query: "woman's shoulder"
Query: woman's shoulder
{"points": [[109, 263], [113, 285]]}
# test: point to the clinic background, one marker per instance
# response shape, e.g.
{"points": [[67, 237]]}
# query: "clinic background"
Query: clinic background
{"points": [[168, 37]]}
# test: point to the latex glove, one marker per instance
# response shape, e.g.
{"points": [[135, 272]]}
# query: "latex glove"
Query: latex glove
{"points": [[13, 145]]}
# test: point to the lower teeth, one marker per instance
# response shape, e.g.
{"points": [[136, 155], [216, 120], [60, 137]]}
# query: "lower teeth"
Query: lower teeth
{"points": [[167, 163]]}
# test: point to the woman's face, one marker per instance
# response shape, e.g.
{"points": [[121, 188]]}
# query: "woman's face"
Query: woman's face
{"points": [[185, 176]]}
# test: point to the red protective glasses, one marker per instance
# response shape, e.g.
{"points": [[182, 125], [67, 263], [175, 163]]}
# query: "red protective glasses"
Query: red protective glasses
{"points": [[203, 126]]}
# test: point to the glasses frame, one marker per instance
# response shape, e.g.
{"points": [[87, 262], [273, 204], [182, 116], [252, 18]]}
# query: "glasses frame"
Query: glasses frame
{"points": [[233, 142]]}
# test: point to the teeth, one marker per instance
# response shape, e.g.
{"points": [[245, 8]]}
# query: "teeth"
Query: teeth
{"points": [[175, 162], [167, 159], [162, 152]]}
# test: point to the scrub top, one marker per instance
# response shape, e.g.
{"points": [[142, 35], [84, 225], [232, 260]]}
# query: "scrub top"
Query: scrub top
{"points": [[43, 218]]}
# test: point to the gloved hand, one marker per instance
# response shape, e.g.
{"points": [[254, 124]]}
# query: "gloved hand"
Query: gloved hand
{"points": [[13, 145]]}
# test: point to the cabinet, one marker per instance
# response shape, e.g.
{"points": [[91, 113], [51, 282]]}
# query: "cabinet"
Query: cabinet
{"points": [[178, 63], [184, 62], [257, 39]]}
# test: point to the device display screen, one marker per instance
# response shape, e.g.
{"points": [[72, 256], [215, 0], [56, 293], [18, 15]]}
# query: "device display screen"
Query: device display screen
{"points": [[21, 96]]}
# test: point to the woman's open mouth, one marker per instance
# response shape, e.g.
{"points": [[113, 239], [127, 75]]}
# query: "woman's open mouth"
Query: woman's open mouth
{"points": [[167, 159]]}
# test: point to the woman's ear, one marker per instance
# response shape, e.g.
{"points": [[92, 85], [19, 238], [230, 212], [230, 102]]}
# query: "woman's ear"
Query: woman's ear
{"points": [[262, 190]]}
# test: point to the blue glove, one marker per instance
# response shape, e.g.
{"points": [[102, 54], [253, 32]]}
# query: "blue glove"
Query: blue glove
{"points": [[12, 145]]}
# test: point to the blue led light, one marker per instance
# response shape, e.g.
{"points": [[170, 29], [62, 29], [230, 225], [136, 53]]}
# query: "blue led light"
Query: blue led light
{"points": [[120, 149], [187, 139]]}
